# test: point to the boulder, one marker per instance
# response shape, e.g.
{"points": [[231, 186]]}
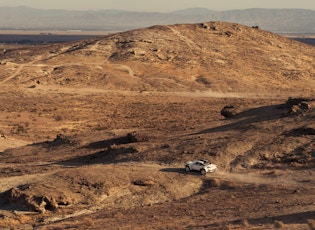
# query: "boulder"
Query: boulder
{"points": [[297, 106], [228, 111]]}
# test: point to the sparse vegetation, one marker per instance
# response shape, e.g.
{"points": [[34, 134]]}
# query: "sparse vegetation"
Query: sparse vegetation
{"points": [[58, 117], [89, 222], [278, 224], [311, 224], [19, 129], [95, 151]]}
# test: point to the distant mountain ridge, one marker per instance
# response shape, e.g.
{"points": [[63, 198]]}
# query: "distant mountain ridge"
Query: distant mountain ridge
{"points": [[275, 20]]}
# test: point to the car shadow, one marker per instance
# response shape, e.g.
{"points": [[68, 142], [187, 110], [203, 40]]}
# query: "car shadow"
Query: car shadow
{"points": [[181, 171]]}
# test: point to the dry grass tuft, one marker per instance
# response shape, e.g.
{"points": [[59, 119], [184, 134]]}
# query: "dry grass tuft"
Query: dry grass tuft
{"points": [[9, 223], [311, 224], [215, 182], [245, 223], [88, 221], [278, 224], [24, 219]]}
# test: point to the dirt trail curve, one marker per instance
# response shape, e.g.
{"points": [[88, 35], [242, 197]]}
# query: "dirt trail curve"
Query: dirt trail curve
{"points": [[31, 63], [284, 179], [189, 42], [121, 67], [127, 69], [18, 70]]}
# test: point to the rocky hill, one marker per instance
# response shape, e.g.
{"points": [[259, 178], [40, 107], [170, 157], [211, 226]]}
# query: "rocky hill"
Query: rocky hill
{"points": [[96, 133], [213, 56]]}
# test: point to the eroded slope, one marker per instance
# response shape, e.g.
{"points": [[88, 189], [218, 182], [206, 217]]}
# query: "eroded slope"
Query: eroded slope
{"points": [[212, 56]]}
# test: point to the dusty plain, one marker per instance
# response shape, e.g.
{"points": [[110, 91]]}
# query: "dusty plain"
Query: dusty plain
{"points": [[94, 134]]}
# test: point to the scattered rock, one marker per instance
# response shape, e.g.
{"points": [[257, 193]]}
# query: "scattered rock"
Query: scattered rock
{"points": [[28, 200], [228, 111], [228, 33], [131, 138], [143, 183], [296, 101], [297, 106], [61, 140]]}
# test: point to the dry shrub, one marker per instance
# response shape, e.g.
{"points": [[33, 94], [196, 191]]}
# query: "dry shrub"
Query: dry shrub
{"points": [[295, 164], [118, 215], [231, 185], [311, 224], [273, 173], [245, 223], [58, 118], [9, 223], [227, 227], [222, 184], [88, 221], [215, 182], [278, 224], [143, 182], [24, 219]]}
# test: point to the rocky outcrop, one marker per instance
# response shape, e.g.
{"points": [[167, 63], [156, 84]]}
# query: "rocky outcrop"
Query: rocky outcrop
{"points": [[297, 106], [24, 197], [228, 111]]}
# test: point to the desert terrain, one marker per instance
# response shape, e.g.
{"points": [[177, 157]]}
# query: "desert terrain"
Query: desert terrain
{"points": [[94, 134]]}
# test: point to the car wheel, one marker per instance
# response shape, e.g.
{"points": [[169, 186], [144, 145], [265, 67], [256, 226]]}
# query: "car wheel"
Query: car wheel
{"points": [[203, 172], [187, 168]]}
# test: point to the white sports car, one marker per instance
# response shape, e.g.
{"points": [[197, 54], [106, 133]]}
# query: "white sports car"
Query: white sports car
{"points": [[203, 166]]}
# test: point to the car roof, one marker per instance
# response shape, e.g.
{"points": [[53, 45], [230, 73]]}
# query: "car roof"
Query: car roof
{"points": [[201, 162]]}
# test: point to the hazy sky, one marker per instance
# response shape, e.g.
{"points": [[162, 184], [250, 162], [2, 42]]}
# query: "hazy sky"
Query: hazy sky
{"points": [[159, 5]]}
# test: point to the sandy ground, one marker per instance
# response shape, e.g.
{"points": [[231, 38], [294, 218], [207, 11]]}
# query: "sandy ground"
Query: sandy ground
{"points": [[84, 152]]}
